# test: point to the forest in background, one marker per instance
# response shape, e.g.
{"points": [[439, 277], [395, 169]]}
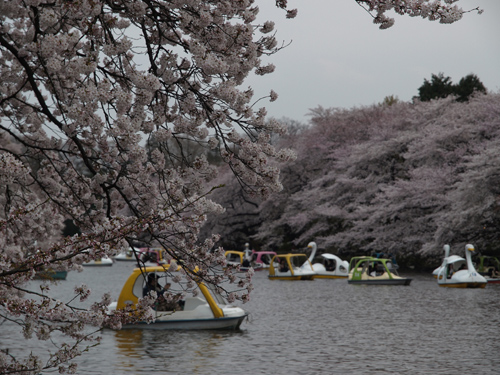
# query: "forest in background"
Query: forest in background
{"points": [[404, 178]]}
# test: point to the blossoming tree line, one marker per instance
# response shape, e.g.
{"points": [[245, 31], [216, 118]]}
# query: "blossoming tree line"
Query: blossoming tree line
{"points": [[109, 113], [404, 178]]}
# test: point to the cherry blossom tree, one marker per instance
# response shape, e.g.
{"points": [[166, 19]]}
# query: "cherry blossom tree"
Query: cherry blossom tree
{"points": [[95, 94], [425, 205], [244, 214], [404, 178]]}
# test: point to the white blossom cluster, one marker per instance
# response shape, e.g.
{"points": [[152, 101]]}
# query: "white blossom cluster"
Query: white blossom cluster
{"points": [[443, 11]]}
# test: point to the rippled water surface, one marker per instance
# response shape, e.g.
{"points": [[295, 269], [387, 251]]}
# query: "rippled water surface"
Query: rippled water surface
{"points": [[313, 327]]}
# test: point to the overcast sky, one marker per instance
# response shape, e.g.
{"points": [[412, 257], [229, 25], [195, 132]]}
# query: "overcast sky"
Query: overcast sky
{"points": [[339, 58]]}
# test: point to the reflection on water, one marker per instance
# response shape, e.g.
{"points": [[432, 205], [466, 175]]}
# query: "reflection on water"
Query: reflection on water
{"points": [[319, 327], [128, 345], [172, 351]]}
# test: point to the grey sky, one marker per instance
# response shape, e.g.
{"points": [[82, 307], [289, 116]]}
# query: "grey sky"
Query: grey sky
{"points": [[339, 58]]}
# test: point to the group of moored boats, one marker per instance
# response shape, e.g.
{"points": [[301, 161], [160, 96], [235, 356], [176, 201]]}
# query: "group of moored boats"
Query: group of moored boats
{"points": [[146, 256], [369, 270], [454, 272], [207, 309]]}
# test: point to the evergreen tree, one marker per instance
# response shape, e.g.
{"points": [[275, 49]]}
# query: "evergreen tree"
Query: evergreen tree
{"points": [[439, 87], [467, 86]]}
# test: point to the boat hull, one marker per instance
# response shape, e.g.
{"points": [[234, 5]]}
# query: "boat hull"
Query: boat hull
{"points": [[320, 276], [51, 275], [226, 323], [401, 281], [124, 258], [464, 285], [98, 263], [291, 278]]}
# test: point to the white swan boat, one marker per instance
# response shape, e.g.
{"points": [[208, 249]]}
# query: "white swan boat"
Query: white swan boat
{"points": [[446, 249], [331, 267], [206, 310], [458, 272], [291, 267]]}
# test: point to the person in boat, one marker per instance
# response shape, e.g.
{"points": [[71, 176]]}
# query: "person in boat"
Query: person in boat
{"points": [[377, 269], [161, 303], [152, 284], [149, 257], [450, 271], [264, 259], [330, 266], [493, 272], [283, 266], [176, 304], [372, 270]]}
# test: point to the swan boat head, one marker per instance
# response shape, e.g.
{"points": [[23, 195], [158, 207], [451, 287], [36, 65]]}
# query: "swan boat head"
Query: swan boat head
{"points": [[314, 248], [446, 249]]}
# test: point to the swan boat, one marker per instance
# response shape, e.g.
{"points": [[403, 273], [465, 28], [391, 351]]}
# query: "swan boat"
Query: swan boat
{"points": [[207, 310], [331, 267], [446, 249], [458, 272], [374, 271], [291, 267]]}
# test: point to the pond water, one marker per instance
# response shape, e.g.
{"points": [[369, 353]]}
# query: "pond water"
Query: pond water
{"points": [[310, 327]]}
